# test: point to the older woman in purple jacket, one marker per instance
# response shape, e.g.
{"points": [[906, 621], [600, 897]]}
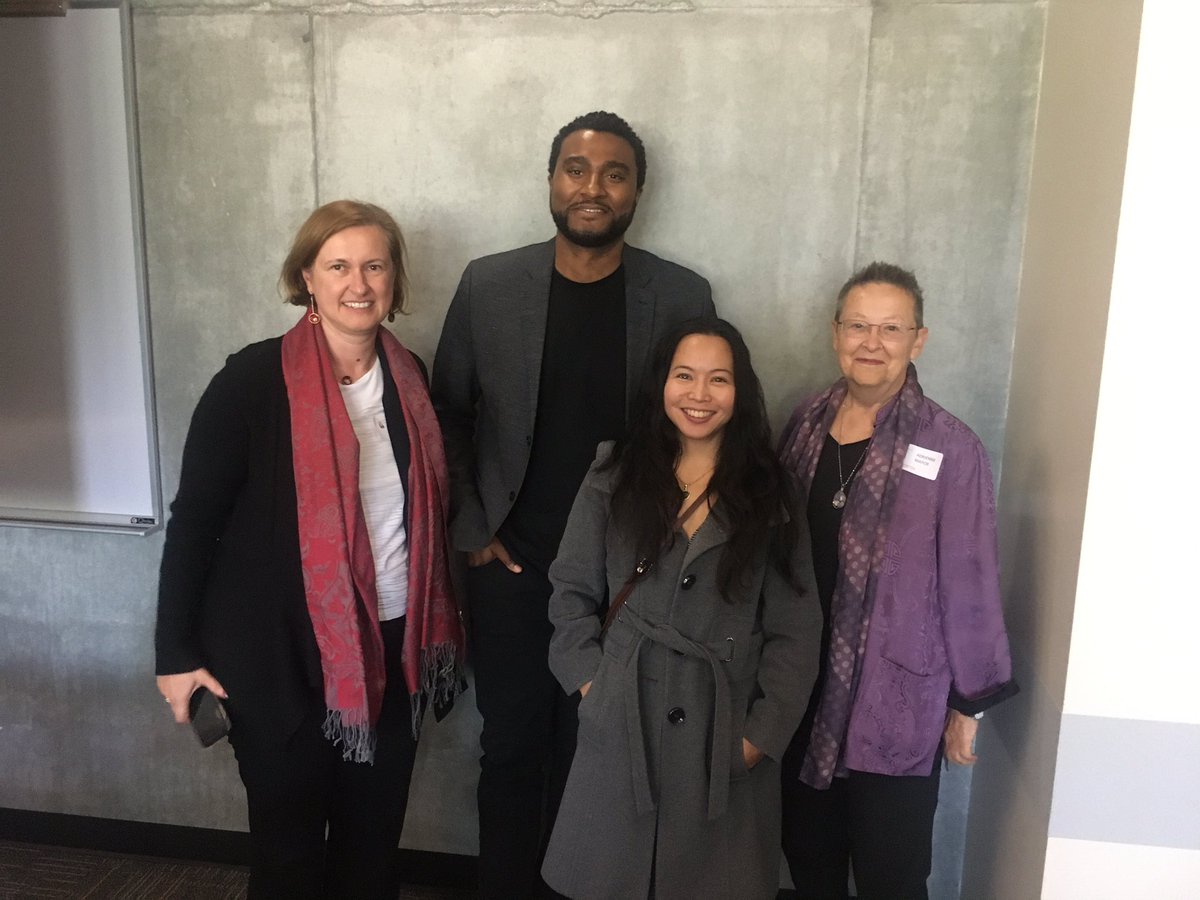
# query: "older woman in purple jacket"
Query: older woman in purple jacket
{"points": [[902, 516]]}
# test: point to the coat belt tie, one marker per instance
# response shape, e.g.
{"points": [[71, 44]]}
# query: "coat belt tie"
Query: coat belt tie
{"points": [[719, 759]]}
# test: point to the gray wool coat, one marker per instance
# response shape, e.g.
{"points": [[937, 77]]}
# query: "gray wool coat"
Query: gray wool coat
{"points": [[659, 788]]}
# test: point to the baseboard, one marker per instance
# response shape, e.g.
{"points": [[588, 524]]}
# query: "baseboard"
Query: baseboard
{"points": [[424, 867]]}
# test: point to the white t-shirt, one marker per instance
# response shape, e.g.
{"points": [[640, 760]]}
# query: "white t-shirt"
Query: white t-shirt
{"points": [[381, 491]]}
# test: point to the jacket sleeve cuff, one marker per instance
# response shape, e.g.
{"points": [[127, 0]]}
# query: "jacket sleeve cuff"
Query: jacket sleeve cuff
{"points": [[469, 529], [174, 662], [970, 707], [766, 731], [575, 669]]}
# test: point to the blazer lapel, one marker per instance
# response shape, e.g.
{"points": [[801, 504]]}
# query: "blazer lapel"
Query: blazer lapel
{"points": [[533, 300], [639, 320]]}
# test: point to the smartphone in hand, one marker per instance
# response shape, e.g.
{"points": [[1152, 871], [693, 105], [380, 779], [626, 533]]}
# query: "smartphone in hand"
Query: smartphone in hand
{"points": [[209, 719]]}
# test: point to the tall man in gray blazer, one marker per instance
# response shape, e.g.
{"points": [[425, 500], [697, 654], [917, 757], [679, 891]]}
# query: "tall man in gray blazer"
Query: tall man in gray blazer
{"points": [[540, 353]]}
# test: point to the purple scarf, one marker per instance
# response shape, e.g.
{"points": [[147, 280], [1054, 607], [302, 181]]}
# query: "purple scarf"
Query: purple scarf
{"points": [[861, 545]]}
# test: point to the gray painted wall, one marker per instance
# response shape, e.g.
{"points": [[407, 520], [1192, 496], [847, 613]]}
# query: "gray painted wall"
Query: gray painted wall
{"points": [[788, 142]]}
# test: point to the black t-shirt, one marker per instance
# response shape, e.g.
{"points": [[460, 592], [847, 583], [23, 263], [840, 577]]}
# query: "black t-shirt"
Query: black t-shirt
{"points": [[581, 402], [824, 523], [824, 519]]}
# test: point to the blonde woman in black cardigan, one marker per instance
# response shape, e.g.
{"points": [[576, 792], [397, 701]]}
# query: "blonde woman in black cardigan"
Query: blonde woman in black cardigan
{"points": [[304, 575]]}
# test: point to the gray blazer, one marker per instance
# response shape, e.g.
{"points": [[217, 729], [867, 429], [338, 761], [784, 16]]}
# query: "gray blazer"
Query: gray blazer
{"points": [[489, 362]]}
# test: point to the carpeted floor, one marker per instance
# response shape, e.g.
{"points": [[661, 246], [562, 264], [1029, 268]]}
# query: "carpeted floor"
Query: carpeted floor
{"points": [[35, 871]]}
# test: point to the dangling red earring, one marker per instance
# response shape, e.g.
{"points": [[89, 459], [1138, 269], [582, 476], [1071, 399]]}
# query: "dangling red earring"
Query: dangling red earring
{"points": [[313, 315]]}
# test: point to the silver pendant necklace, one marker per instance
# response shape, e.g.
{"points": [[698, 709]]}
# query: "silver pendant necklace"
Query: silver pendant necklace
{"points": [[839, 499]]}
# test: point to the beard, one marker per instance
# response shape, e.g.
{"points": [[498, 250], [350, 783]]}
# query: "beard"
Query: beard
{"points": [[593, 239]]}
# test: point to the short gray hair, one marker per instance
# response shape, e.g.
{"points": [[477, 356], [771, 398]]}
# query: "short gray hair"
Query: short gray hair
{"points": [[885, 273]]}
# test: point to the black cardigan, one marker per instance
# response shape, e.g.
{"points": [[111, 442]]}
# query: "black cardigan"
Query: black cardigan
{"points": [[231, 593]]}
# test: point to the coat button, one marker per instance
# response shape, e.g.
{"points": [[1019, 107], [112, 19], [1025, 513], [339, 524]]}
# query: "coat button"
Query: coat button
{"points": [[688, 581], [512, 495], [676, 715]]}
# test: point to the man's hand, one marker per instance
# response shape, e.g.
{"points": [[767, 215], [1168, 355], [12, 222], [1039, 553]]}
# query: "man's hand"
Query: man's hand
{"points": [[960, 738], [494, 550]]}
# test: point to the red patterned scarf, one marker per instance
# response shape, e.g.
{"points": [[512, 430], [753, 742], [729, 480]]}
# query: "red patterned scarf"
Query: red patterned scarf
{"points": [[335, 549]]}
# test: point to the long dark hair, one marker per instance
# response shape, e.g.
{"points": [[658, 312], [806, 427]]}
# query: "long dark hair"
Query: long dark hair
{"points": [[755, 493]]}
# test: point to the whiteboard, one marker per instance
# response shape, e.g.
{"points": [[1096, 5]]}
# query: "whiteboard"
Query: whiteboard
{"points": [[78, 447]]}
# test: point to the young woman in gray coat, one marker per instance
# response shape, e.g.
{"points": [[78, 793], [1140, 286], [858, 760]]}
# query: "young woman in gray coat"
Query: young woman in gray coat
{"points": [[695, 676]]}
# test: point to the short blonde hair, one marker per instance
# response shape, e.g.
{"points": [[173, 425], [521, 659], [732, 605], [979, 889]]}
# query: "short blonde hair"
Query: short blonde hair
{"points": [[324, 223]]}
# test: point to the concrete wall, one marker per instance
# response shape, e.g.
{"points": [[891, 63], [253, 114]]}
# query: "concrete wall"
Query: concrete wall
{"points": [[788, 142]]}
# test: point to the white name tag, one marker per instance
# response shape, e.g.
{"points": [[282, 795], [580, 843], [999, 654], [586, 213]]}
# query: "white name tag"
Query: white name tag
{"points": [[920, 461]]}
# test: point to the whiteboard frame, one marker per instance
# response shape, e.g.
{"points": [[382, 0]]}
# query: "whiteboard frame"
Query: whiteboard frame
{"points": [[111, 522]]}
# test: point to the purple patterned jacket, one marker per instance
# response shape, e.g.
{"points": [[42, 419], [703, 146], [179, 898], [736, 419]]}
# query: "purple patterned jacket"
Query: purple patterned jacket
{"points": [[935, 613]]}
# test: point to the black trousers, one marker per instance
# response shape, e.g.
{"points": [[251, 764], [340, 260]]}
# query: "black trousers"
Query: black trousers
{"points": [[529, 727], [883, 823], [320, 826]]}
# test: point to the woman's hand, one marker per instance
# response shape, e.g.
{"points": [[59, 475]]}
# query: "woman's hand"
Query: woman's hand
{"points": [[494, 550], [959, 738], [751, 754], [178, 690]]}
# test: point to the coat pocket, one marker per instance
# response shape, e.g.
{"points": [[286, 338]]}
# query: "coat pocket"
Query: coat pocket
{"points": [[591, 707], [598, 711], [743, 652], [912, 704], [740, 699]]}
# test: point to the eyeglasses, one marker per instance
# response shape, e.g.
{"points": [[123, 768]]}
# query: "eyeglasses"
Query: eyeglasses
{"points": [[889, 332]]}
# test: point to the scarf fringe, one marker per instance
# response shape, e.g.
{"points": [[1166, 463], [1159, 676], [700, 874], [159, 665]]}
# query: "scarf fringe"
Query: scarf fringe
{"points": [[442, 679], [358, 741]]}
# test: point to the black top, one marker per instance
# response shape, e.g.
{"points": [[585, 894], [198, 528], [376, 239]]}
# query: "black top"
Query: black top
{"points": [[581, 402], [825, 522]]}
